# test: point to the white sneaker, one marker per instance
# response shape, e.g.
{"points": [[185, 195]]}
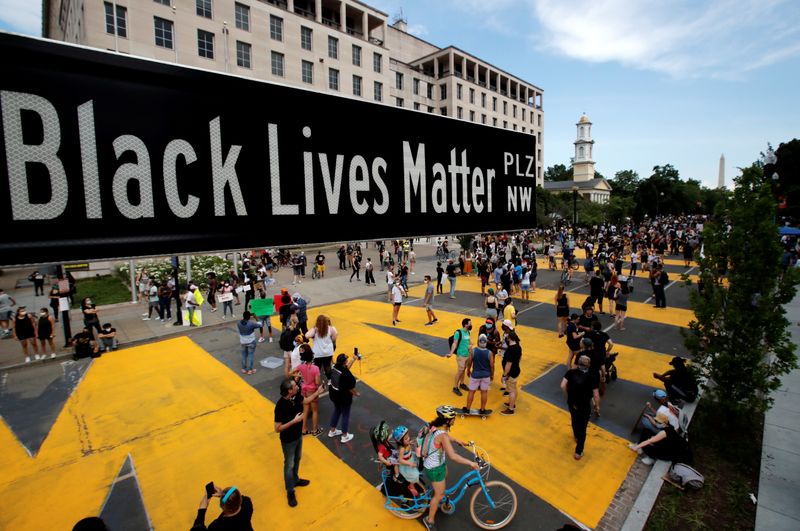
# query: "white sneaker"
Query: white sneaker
{"points": [[260, 339], [347, 438], [648, 460], [334, 433], [223, 317], [37, 357], [233, 316], [144, 315], [27, 359], [270, 340], [53, 355], [145, 319]]}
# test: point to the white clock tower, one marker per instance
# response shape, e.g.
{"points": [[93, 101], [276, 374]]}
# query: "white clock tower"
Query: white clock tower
{"points": [[583, 165]]}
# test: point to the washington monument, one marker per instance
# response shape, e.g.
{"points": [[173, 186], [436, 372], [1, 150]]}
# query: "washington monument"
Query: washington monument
{"points": [[721, 182]]}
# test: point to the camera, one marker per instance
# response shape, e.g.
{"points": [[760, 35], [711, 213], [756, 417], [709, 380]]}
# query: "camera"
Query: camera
{"points": [[356, 355]]}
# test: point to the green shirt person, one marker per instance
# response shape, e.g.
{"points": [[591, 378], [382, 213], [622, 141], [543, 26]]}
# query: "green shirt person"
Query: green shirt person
{"points": [[462, 349]]}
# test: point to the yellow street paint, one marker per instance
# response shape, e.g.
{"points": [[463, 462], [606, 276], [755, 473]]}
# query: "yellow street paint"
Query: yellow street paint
{"points": [[186, 419], [534, 447], [637, 310]]}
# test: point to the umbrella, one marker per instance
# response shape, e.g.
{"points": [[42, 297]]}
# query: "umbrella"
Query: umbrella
{"points": [[789, 231]]}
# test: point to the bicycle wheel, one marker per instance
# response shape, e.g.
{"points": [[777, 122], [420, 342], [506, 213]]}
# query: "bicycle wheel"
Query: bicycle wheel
{"points": [[397, 509], [505, 506]]}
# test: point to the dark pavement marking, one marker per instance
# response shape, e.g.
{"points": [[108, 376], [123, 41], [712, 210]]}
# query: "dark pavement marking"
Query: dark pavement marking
{"points": [[124, 508]]}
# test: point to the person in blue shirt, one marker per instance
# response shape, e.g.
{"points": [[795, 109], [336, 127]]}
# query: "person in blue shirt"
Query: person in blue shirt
{"points": [[247, 338]]}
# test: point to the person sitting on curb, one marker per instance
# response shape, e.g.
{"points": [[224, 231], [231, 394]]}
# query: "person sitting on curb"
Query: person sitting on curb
{"points": [[666, 445], [679, 383], [108, 338], [237, 511], [649, 424]]}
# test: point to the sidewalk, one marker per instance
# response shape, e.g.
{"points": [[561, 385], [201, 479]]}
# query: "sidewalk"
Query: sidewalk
{"points": [[126, 317], [779, 483]]}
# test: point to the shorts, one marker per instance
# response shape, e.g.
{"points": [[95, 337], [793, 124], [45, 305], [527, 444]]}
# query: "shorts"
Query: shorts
{"points": [[5, 315], [321, 268], [429, 307], [269, 267], [462, 362], [635, 266], [398, 303], [526, 287], [511, 384], [437, 474], [479, 383], [621, 308], [484, 281]]}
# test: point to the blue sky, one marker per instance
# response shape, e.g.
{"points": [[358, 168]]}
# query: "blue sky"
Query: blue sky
{"points": [[676, 82]]}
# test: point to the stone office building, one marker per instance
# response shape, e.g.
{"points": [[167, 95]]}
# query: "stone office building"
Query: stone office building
{"points": [[337, 46]]}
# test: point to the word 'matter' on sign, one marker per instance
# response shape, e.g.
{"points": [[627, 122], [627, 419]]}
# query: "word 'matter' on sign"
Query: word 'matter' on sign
{"points": [[125, 157]]}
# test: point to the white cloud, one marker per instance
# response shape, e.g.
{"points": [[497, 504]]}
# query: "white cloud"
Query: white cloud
{"points": [[683, 38], [23, 16]]}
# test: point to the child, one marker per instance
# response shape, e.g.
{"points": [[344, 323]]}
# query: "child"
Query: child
{"points": [[310, 374], [407, 460]]}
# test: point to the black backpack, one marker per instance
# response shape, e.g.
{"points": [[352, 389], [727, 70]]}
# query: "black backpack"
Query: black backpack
{"points": [[453, 338], [286, 341]]}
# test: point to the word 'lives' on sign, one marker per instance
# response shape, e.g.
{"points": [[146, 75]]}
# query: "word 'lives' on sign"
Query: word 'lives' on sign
{"points": [[110, 156]]}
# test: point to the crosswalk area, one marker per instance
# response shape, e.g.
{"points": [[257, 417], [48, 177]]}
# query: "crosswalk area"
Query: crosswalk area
{"points": [[182, 415]]}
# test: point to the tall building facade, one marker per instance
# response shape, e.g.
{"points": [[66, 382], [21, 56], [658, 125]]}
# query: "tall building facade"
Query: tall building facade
{"points": [[336, 46]]}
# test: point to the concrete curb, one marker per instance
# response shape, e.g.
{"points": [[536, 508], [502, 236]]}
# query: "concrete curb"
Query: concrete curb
{"points": [[640, 512]]}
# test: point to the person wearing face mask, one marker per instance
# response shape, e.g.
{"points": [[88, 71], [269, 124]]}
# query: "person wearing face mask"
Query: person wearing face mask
{"points": [[489, 329], [226, 298], [46, 331], [397, 299], [25, 332], [462, 349], [580, 386], [90, 317], [427, 301]]}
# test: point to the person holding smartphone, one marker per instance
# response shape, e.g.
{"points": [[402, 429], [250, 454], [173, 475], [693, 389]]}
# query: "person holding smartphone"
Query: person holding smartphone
{"points": [[288, 420], [237, 510]]}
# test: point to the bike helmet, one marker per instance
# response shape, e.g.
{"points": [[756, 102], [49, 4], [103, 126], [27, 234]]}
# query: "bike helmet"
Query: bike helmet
{"points": [[446, 412], [399, 432]]}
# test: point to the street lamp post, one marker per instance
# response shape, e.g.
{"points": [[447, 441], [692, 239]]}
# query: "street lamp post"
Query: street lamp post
{"points": [[574, 206], [225, 33]]}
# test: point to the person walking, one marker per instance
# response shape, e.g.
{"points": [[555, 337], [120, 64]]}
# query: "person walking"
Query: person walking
{"points": [[212, 290], [660, 281], [45, 332], [324, 343], [480, 367], [7, 304], [439, 275], [580, 388], [461, 348], [153, 302], [311, 383], [511, 359], [562, 310], [342, 390], [248, 341], [355, 266], [369, 277], [451, 277], [288, 419], [621, 307], [427, 301], [192, 303], [25, 332], [143, 281], [397, 300]]}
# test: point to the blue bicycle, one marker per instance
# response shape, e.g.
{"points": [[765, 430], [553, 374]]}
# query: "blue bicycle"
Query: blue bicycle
{"points": [[494, 510]]}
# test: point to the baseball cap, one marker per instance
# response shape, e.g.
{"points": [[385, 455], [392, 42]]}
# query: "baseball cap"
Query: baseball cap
{"points": [[508, 324], [659, 393], [482, 340]]}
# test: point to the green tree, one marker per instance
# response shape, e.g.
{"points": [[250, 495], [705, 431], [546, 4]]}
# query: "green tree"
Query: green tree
{"points": [[558, 172], [619, 208], [625, 183], [739, 338]]}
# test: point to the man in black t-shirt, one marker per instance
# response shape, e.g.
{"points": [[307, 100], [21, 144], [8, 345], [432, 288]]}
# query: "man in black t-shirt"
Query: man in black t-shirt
{"points": [[586, 319], [580, 387], [237, 511], [511, 359], [596, 291], [288, 419], [602, 345], [85, 345]]}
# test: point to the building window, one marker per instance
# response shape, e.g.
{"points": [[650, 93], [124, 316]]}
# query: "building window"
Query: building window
{"points": [[357, 85], [523, 128], [377, 62], [333, 79], [163, 29], [378, 91], [167, 3], [494, 122], [356, 55], [333, 47], [471, 116], [307, 68], [459, 90], [443, 111], [416, 106], [430, 91], [416, 86], [523, 114], [116, 24], [443, 91], [483, 119], [205, 44], [398, 80], [242, 16], [505, 124], [483, 100], [472, 96], [430, 109], [243, 52], [539, 119], [399, 102], [494, 103], [505, 107], [277, 60], [305, 38], [204, 8], [514, 111], [275, 28], [459, 113], [514, 127]]}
